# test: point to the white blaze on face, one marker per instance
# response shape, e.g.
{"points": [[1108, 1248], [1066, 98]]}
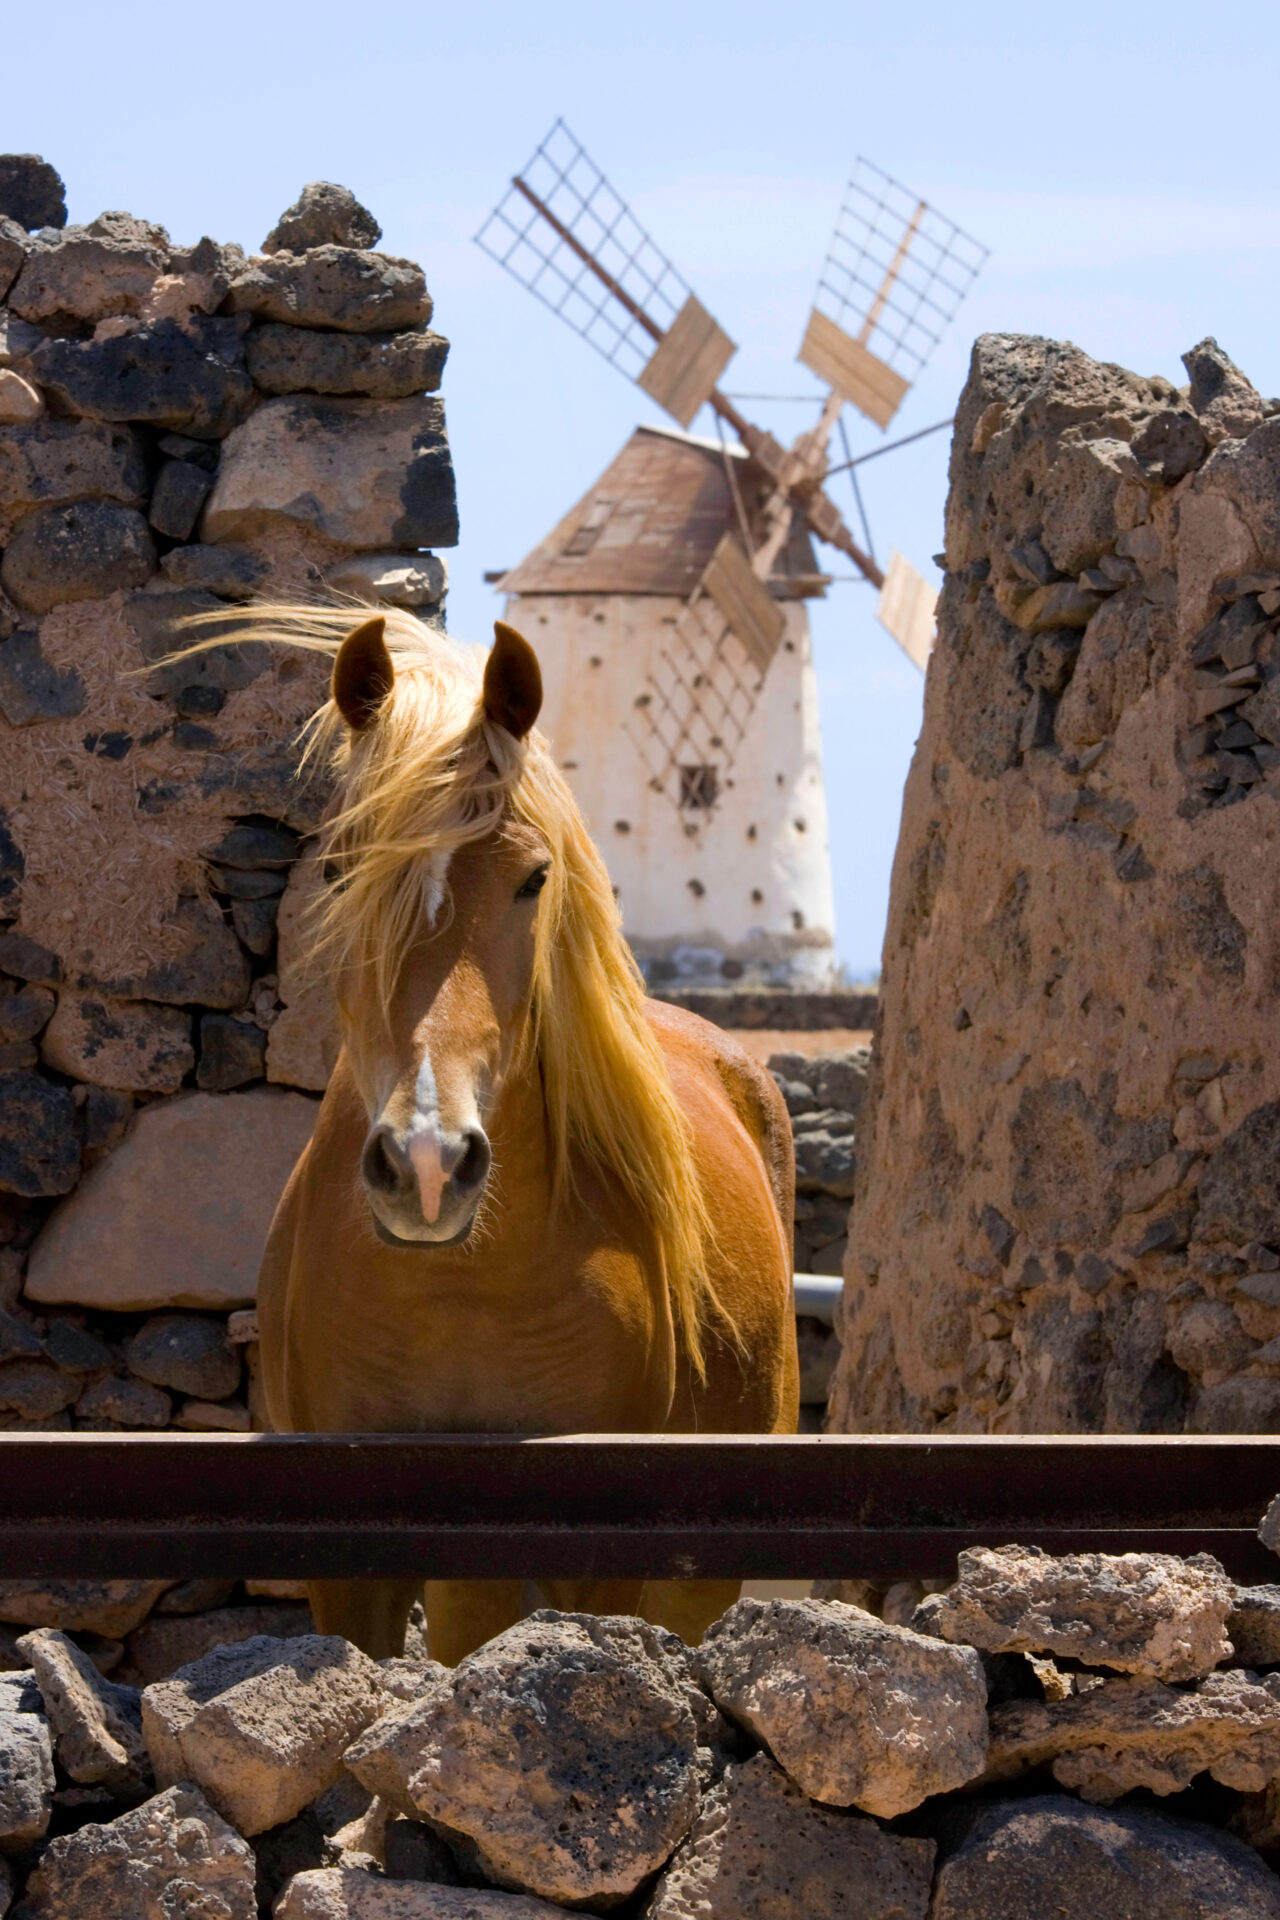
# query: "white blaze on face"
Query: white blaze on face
{"points": [[425, 1143]]}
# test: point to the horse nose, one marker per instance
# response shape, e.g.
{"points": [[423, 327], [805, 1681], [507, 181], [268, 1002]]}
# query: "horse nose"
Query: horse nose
{"points": [[472, 1169], [385, 1162]]}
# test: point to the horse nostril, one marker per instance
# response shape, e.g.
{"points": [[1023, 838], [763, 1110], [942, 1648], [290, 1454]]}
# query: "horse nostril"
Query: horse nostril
{"points": [[385, 1166], [473, 1168]]}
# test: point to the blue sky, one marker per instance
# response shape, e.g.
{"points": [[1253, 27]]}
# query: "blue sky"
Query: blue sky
{"points": [[1118, 160]]}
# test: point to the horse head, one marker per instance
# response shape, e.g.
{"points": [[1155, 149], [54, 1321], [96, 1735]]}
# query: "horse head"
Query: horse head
{"points": [[431, 1038]]}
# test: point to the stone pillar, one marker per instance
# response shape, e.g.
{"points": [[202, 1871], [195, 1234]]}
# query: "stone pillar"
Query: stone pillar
{"points": [[1068, 1189]]}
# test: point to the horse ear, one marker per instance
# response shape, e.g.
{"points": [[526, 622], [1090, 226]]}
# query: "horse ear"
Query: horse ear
{"points": [[512, 682], [363, 675]]}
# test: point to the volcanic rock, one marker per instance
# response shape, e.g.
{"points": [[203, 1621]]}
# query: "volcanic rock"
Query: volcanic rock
{"points": [[342, 287], [80, 552], [323, 215], [385, 366], [173, 1855]]}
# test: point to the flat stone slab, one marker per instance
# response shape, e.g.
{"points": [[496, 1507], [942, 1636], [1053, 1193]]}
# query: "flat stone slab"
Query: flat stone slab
{"points": [[348, 1893], [177, 1215]]}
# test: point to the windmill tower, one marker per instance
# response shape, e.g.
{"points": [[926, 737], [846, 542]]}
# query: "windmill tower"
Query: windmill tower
{"points": [[668, 605]]}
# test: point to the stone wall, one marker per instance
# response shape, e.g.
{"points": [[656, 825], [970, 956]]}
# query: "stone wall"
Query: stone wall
{"points": [[1093, 1734], [181, 428], [1068, 1207]]}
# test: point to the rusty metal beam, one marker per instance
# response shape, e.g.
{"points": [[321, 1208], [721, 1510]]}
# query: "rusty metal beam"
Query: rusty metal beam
{"points": [[465, 1505]]}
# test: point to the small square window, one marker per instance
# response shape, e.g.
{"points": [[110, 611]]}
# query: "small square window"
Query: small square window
{"points": [[699, 787]]}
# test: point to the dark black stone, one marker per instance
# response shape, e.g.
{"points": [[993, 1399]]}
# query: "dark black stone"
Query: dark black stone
{"points": [[193, 738], [234, 572], [108, 746], [75, 1349], [1036, 1858], [25, 959], [255, 923], [39, 1145], [104, 1118], [323, 215], [254, 845], [1000, 1233], [231, 1053], [80, 552], [386, 366], [238, 884], [30, 689], [200, 453], [13, 866], [191, 378], [1173, 443], [31, 191], [211, 971], [198, 703], [180, 492], [13, 251], [1240, 1185]]}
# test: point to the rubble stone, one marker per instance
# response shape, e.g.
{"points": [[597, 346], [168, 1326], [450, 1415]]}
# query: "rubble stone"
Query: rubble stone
{"points": [[173, 1855], [96, 1725], [365, 473], [81, 274], [51, 463], [20, 402], [304, 1039], [384, 366], [859, 1713], [27, 1778], [177, 499], [1023, 1857], [1226, 402], [1254, 1627], [35, 1389], [164, 1643], [81, 552], [1152, 1614], [31, 191], [395, 579], [323, 215], [18, 342], [232, 572], [189, 378], [262, 1745], [124, 1403], [111, 1608], [347, 1893], [30, 688], [131, 1045], [341, 287], [188, 1197], [187, 1352], [510, 1753], [231, 1053], [39, 1150], [759, 1850]]}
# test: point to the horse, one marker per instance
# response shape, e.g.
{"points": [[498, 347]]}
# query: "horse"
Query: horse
{"points": [[535, 1201]]}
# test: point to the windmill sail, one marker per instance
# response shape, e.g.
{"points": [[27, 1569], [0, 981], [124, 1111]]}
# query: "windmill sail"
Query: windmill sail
{"points": [[893, 278]]}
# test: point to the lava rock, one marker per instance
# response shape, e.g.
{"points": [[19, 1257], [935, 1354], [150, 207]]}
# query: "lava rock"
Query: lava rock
{"points": [[31, 191], [1254, 1626], [392, 579], [89, 273], [188, 377], [209, 970], [180, 492], [341, 287], [185, 1351], [34, 1389], [20, 402], [1226, 402], [511, 1751], [261, 1727], [124, 1403], [129, 1045], [53, 463], [323, 215], [27, 1778], [366, 473], [96, 1724], [1019, 1860], [760, 1850], [111, 1608], [13, 251], [30, 688], [1144, 1613], [233, 572], [256, 846], [173, 1855], [39, 1147], [164, 1644], [80, 552], [231, 1055], [351, 1893], [385, 366], [858, 1712]]}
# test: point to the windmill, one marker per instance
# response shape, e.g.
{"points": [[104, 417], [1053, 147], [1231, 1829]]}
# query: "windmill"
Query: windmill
{"points": [[732, 574]]}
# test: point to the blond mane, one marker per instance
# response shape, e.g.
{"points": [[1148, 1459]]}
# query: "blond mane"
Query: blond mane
{"points": [[429, 774]]}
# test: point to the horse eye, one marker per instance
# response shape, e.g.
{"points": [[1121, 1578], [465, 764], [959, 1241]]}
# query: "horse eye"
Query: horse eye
{"points": [[533, 885]]}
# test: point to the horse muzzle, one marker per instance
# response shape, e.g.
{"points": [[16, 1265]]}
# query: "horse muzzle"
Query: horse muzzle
{"points": [[424, 1187]]}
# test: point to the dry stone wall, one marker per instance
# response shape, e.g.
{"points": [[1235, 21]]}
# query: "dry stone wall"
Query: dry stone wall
{"points": [[1068, 1207], [181, 428], [1096, 1734]]}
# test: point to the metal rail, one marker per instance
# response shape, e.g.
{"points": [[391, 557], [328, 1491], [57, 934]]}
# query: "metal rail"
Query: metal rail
{"points": [[590, 1505]]}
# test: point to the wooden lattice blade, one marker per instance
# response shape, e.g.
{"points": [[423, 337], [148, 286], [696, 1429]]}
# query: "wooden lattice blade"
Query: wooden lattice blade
{"points": [[907, 609], [687, 362]]}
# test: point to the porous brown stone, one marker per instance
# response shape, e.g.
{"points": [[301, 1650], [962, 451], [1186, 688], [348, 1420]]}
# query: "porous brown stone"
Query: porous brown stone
{"points": [[81, 552], [177, 1215], [323, 215], [1024, 1859], [760, 1850], [96, 1724], [859, 1713], [186, 1351], [364, 473], [27, 1779], [132, 1045], [172, 1856], [31, 191], [90, 273], [385, 366], [50, 463], [1144, 1613], [565, 1750], [111, 1608], [164, 1643], [347, 1893], [262, 1726], [352, 290], [1050, 1216]]}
